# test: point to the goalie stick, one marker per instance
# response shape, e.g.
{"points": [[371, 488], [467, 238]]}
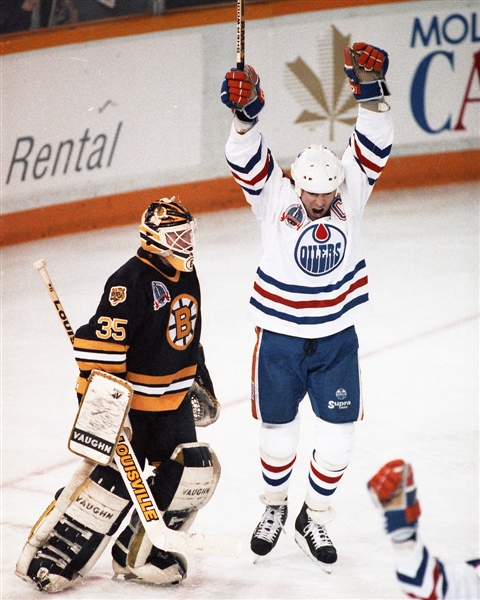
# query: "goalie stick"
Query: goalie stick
{"points": [[159, 534]]}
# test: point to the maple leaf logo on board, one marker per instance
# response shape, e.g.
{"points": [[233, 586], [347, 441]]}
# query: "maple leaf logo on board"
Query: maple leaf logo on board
{"points": [[327, 98]]}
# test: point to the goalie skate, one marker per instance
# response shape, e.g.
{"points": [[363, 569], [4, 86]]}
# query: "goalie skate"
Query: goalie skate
{"points": [[135, 558]]}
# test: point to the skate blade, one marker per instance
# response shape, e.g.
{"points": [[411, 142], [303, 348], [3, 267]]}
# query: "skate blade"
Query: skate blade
{"points": [[325, 567], [302, 544]]}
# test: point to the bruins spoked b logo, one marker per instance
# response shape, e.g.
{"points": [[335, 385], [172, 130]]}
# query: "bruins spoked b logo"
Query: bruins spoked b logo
{"points": [[181, 323]]}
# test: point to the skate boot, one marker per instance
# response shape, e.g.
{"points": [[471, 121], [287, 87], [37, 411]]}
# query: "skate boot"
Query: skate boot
{"points": [[314, 541], [268, 530]]}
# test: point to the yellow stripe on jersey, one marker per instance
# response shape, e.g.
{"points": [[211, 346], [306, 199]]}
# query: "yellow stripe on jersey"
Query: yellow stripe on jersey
{"points": [[160, 380], [157, 403], [106, 356], [84, 344], [159, 393]]}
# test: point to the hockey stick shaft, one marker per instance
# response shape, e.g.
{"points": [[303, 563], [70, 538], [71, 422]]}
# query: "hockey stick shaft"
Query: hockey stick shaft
{"points": [[240, 34], [159, 534], [40, 265]]}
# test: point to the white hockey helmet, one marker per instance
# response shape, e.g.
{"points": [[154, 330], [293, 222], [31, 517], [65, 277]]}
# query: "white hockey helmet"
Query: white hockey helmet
{"points": [[168, 229], [317, 170]]}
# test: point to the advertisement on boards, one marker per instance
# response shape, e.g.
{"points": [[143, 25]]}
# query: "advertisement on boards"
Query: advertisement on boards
{"points": [[434, 76], [116, 115]]}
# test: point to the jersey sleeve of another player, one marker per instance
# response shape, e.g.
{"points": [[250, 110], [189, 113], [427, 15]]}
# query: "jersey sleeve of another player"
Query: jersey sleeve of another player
{"points": [[367, 154], [252, 164]]}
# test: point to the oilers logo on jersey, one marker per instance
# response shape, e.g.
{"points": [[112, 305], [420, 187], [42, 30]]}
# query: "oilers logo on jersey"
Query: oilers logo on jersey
{"points": [[320, 249]]}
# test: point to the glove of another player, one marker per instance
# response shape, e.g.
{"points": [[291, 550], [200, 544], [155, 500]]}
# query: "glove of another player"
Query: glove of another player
{"points": [[394, 492], [365, 67], [242, 93]]}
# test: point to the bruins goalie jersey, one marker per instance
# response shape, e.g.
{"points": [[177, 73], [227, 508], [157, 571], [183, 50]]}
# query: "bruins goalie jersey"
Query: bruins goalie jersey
{"points": [[146, 330]]}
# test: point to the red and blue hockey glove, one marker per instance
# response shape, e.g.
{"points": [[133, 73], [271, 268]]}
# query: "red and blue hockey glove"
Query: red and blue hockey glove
{"points": [[394, 492], [242, 93], [365, 67]]}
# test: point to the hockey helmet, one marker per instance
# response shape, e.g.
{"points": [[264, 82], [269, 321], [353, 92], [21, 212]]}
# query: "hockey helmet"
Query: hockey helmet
{"points": [[167, 229], [317, 170]]}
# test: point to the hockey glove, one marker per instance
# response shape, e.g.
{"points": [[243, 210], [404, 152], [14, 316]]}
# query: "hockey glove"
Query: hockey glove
{"points": [[366, 67], [242, 93], [206, 408], [394, 492]]}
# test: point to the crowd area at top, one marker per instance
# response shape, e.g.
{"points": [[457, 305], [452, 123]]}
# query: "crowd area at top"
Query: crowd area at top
{"points": [[24, 15]]}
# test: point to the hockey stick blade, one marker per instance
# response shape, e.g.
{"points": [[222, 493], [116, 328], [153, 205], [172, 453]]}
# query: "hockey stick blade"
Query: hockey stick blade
{"points": [[159, 534]]}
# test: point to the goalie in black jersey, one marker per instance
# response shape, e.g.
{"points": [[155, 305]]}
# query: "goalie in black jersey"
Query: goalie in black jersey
{"points": [[146, 330]]}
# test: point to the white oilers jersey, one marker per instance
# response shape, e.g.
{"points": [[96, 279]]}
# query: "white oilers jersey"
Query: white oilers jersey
{"points": [[312, 278], [422, 575]]}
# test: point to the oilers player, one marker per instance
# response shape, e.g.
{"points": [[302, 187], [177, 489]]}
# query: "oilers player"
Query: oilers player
{"points": [[311, 287], [146, 330], [419, 574]]}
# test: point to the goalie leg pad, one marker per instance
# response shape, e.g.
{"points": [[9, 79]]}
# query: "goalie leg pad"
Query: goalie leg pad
{"points": [[75, 529], [136, 559], [185, 483], [181, 486]]}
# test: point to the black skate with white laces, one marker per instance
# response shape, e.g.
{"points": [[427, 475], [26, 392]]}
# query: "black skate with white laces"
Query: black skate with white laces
{"points": [[268, 530], [314, 541]]}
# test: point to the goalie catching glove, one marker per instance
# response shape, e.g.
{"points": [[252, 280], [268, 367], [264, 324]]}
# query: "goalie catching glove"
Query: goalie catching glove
{"points": [[242, 93], [206, 408], [366, 67]]}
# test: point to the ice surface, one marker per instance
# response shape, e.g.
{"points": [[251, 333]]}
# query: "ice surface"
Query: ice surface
{"points": [[420, 371]]}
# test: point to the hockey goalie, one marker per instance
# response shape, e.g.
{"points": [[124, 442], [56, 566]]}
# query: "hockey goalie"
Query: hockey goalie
{"points": [[143, 375]]}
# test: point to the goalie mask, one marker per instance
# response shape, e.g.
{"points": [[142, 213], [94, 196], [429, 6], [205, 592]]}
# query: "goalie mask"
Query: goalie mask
{"points": [[167, 229], [317, 170]]}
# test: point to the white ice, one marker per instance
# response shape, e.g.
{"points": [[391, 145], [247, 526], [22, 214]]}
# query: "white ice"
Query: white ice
{"points": [[420, 370]]}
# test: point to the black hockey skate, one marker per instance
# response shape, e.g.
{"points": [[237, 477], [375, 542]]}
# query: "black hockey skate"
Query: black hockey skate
{"points": [[268, 530], [314, 541]]}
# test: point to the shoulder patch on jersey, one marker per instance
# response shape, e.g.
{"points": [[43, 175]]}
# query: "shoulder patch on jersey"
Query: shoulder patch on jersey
{"points": [[161, 295], [320, 249], [293, 216], [118, 294]]}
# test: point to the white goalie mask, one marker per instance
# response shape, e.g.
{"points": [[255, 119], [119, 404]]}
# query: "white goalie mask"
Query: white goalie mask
{"points": [[317, 170], [168, 229]]}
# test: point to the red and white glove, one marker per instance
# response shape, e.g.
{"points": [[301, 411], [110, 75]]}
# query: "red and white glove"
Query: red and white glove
{"points": [[242, 93], [386, 483], [394, 491], [365, 67], [371, 58]]}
